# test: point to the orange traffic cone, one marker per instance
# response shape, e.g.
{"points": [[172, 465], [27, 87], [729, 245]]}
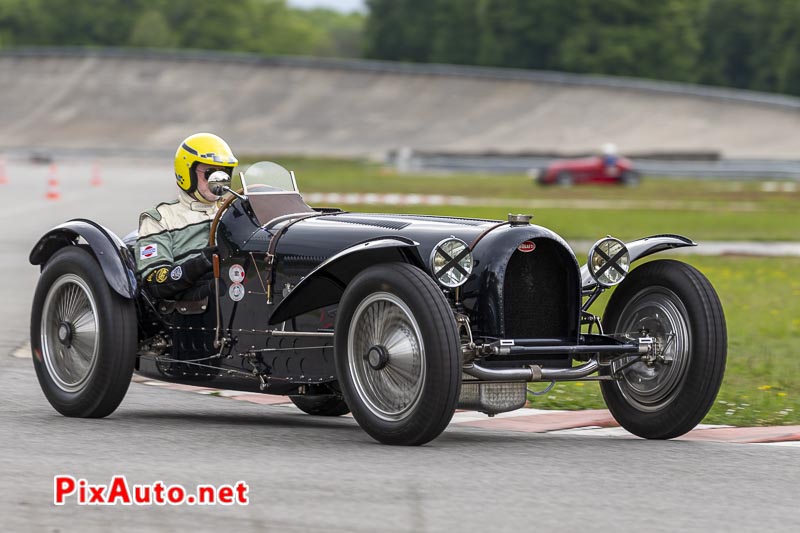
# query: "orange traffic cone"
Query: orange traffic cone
{"points": [[97, 178], [52, 184], [3, 177]]}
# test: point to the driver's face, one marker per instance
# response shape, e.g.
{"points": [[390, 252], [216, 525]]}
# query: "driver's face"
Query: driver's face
{"points": [[202, 182]]}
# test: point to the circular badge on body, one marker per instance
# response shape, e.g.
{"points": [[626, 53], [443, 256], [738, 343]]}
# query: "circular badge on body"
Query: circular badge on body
{"points": [[236, 291], [236, 273]]}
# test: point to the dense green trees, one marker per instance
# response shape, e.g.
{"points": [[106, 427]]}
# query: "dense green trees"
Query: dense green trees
{"points": [[632, 37], [751, 44], [262, 26], [740, 43]]}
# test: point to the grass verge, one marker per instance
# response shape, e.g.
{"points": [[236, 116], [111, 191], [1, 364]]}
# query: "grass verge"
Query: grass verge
{"points": [[700, 209], [761, 296]]}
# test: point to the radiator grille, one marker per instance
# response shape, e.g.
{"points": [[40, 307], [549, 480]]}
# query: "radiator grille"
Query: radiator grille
{"points": [[539, 300]]}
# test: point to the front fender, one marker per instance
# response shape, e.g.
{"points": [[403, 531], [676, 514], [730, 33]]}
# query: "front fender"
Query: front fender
{"points": [[642, 248], [112, 254], [326, 283]]}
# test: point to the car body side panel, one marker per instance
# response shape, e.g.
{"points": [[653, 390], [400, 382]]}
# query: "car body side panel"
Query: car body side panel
{"points": [[302, 248], [325, 284]]}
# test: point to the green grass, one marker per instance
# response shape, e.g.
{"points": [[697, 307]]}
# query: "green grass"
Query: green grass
{"points": [[701, 210], [761, 296], [761, 299], [631, 224]]}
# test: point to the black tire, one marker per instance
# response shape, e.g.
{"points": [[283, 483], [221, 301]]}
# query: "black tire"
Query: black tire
{"points": [[406, 306], [565, 179], [324, 405], [630, 178], [69, 274], [680, 308]]}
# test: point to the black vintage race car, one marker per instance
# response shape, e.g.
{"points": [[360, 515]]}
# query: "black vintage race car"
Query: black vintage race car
{"points": [[400, 319]]}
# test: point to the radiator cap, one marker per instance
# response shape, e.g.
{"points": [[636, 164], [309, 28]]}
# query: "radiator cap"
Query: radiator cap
{"points": [[519, 220]]}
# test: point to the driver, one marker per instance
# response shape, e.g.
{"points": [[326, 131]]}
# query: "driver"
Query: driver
{"points": [[610, 155], [173, 258]]}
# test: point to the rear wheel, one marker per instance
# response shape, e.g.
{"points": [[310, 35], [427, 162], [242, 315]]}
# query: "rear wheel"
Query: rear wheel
{"points": [[667, 393], [83, 336], [630, 178], [564, 179], [398, 354], [323, 405]]}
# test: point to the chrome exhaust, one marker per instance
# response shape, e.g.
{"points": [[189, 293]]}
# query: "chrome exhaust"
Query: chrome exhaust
{"points": [[531, 373]]}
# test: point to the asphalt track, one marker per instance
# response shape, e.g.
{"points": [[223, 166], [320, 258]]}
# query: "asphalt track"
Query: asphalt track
{"points": [[310, 474]]}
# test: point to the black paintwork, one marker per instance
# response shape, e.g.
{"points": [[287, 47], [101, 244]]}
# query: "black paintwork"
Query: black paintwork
{"points": [[114, 257], [509, 294]]}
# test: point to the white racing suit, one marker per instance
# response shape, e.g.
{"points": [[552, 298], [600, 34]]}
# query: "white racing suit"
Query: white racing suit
{"points": [[172, 254]]}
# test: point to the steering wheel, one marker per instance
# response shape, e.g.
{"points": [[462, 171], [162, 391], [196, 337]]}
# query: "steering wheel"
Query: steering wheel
{"points": [[212, 234]]}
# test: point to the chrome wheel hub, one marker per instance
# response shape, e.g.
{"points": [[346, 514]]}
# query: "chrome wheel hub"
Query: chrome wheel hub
{"points": [[386, 356], [69, 336], [65, 333], [377, 357]]}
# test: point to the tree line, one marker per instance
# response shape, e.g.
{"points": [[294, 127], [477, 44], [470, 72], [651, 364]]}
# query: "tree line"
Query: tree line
{"points": [[752, 44], [259, 26]]}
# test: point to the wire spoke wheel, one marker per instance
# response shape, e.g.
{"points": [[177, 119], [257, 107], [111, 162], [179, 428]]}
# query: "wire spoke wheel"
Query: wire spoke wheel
{"points": [[69, 333], [397, 354], [386, 356], [83, 336]]}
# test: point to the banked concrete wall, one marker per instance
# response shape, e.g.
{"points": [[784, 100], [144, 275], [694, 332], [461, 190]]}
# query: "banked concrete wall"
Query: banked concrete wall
{"points": [[141, 101]]}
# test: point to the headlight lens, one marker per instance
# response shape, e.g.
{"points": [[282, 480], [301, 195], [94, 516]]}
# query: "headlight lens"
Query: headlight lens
{"points": [[451, 262], [609, 261]]}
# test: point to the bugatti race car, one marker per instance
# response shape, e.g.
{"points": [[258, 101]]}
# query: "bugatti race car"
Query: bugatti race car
{"points": [[399, 319]]}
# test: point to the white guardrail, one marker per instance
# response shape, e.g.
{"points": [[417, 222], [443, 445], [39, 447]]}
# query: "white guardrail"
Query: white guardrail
{"points": [[742, 169]]}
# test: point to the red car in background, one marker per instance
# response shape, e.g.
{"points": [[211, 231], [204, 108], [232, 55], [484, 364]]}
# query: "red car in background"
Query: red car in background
{"points": [[594, 170]]}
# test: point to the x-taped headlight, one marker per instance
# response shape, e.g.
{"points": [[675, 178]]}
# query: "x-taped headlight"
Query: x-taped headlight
{"points": [[451, 262], [609, 261]]}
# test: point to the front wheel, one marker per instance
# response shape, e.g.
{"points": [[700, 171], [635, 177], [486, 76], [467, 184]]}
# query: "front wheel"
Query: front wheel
{"points": [[83, 336], [398, 354], [630, 178], [668, 392], [564, 179]]}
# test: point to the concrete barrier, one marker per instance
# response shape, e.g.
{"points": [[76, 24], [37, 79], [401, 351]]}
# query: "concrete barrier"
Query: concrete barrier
{"points": [[133, 101]]}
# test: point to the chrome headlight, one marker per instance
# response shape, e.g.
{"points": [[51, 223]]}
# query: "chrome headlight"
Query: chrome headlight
{"points": [[451, 262], [609, 261]]}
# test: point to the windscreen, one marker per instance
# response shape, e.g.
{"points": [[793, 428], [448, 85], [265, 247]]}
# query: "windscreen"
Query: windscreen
{"points": [[267, 177]]}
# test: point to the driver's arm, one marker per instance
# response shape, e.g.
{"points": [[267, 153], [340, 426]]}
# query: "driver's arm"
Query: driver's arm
{"points": [[162, 276]]}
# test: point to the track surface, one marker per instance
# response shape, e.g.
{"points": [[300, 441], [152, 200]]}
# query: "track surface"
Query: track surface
{"points": [[144, 102], [307, 473]]}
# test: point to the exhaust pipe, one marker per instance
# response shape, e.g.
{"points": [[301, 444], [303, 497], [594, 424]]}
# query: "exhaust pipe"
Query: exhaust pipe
{"points": [[531, 373]]}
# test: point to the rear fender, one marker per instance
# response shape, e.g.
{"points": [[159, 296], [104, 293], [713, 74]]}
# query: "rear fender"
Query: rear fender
{"points": [[111, 253], [641, 248], [326, 283]]}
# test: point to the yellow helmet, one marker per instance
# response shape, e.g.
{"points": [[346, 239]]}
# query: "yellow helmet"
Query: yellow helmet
{"points": [[200, 148]]}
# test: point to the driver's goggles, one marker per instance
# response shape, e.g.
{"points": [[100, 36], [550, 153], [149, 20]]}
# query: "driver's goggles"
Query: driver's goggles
{"points": [[207, 172]]}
